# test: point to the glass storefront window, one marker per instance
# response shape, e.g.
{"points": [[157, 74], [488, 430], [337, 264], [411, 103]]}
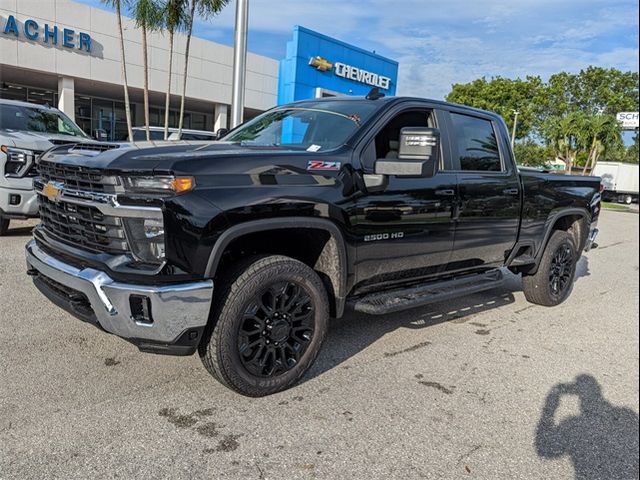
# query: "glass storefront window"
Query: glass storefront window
{"points": [[42, 97], [93, 113]]}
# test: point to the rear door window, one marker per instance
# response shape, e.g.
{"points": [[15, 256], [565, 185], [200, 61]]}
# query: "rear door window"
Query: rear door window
{"points": [[476, 143]]}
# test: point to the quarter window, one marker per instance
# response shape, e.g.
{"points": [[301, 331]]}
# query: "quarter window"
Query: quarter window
{"points": [[477, 144]]}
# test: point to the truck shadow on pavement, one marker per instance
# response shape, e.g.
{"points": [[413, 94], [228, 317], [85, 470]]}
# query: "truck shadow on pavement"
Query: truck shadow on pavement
{"points": [[355, 332], [602, 441], [20, 232]]}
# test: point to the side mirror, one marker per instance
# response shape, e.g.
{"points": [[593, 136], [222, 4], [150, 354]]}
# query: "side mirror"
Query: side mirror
{"points": [[221, 133], [418, 155]]}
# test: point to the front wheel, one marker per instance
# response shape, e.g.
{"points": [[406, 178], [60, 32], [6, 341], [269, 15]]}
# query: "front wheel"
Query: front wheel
{"points": [[552, 283], [267, 325]]}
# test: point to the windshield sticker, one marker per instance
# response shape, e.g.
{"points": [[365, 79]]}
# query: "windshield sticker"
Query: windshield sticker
{"points": [[314, 148], [324, 166], [355, 118]]}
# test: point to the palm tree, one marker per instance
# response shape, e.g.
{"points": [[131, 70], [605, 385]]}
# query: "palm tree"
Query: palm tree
{"points": [[206, 9], [605, 134], [147, 15], [127, 106], [567, 135], [174, 20]]}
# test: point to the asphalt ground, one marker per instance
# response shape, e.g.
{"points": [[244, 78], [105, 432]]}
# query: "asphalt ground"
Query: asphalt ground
{"points": [[486, 386]]}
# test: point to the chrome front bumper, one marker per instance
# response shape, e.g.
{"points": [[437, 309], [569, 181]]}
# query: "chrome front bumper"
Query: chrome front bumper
{"points": [[175, 309]]}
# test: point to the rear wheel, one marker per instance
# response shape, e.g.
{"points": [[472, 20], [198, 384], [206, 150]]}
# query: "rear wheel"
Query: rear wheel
{"points": [[552, 283], [267, 326], [4, 226]]}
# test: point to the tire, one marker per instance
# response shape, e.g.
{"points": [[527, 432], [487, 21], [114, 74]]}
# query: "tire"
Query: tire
{"points": [[4, 226], [628, 199], [552, 283], [243, 319]]}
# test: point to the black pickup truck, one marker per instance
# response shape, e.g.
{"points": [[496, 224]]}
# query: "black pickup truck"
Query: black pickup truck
{"points": [[242, 249]]}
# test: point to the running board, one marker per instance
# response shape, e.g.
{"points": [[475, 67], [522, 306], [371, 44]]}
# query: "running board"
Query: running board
{"points": [[401, 299]]}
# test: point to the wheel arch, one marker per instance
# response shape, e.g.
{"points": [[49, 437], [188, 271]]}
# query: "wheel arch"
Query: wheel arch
{"points": [[331, 261], [572, 220]]}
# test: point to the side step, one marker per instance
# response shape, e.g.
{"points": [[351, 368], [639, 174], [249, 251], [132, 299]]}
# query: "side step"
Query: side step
{"points": [[401, 299]]}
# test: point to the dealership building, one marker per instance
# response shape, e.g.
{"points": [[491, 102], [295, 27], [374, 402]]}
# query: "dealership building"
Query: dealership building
{"points": [[67, 54]]}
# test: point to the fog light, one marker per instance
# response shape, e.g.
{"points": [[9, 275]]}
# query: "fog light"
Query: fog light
{"points": [[141, 309], [146, 239], [14, 199]]}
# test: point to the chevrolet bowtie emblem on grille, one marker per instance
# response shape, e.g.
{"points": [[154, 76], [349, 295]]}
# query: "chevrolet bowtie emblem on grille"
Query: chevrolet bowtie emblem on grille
{"points": [[52, 190], [321, 64]]}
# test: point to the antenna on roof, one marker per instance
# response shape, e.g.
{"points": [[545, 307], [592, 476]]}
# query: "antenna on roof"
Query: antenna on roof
{"points": [[374, 94]]}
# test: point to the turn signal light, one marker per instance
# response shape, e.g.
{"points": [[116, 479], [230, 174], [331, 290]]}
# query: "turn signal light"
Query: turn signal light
{"points": [[182, 184]]}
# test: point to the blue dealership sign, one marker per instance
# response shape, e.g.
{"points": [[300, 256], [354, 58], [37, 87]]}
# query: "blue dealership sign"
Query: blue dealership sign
{"points": [[49, 34], [317, 65]]}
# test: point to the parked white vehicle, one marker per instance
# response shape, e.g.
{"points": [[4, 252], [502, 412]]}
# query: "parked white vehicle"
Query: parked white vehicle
{"points": [[27, 130], [620, 181]]}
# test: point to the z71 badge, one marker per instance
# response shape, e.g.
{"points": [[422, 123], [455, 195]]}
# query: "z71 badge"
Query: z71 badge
{"points": [[324, 166]]}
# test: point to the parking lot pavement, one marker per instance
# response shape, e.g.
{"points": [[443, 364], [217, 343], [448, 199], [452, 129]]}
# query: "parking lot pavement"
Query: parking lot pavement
{"points": [[487, 386]]}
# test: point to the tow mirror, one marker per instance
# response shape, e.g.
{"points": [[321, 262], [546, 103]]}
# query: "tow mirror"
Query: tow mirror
{"points": [[418, 154]]}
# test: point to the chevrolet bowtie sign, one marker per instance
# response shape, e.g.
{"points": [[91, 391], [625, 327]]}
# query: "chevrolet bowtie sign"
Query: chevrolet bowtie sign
{"points": [[351, 73]]}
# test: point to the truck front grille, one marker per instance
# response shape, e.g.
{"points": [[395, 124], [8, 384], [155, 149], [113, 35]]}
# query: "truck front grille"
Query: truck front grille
{"points": [[76, 177], [83, 226]]}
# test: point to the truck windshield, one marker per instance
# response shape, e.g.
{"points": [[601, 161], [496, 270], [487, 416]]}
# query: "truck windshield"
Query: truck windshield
{"points": [[312, 126], [33, 119]]}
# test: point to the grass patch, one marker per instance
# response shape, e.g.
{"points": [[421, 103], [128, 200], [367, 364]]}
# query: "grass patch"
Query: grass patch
{"points": [[614, 206]]}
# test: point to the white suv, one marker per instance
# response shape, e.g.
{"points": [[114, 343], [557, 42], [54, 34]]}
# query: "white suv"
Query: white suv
{"points": [[27, 130]]}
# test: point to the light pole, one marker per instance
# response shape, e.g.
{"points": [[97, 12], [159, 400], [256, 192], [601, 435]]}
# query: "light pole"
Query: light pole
{"points": [[239, 62], [515, 123]]}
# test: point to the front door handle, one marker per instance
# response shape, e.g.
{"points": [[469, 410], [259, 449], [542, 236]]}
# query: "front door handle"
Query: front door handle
{"points": [[446, 193], [511, 191]]}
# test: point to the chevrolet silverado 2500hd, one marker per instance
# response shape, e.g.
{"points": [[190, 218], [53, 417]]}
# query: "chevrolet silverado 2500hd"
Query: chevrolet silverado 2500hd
{"points": [[27, 130], [242, 249]]}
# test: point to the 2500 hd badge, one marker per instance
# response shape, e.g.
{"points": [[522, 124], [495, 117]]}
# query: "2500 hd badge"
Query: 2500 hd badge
{"points": [[242, 249]]}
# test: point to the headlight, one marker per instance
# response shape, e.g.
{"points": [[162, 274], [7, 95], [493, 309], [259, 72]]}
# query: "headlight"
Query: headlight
{"points": [[158, 184], [146, 239], [18, 159]]}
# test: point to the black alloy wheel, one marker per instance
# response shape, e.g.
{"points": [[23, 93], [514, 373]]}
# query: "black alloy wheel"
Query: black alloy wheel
{"points": [[276, 329], [552, 282], [268, 321], [561, 271]]}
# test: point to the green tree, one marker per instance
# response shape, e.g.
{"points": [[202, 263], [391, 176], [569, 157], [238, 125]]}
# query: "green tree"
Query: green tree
{"points": [[175, 19], [117, 4], [605, 135], [631, 153], [595, 90], [148, 17], [503, 96], [205, 9], [532, 154], [566, 135]]}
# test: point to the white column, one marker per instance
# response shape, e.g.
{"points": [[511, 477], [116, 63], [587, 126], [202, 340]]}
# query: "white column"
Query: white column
{"points": [[219, 116], [66, 97]]}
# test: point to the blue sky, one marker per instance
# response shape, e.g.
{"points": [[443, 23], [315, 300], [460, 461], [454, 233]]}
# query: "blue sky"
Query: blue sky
{"points": [[441, 43]]}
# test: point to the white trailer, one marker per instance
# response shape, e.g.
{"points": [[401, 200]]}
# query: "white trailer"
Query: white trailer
{"points": [[620, 181]]}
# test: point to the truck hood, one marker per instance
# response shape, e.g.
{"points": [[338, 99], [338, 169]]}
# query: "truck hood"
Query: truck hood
{"points": [[197, 158], [38, 141]]}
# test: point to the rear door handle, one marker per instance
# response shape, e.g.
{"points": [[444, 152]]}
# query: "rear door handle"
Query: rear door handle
{"points": [[446, 193], [511, 191]]}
